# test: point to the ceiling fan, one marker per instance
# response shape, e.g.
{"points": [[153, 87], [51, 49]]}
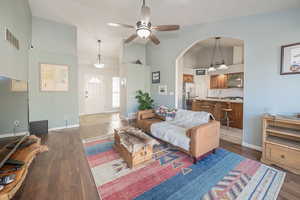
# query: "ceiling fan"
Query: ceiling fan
{"points": [[144, 28]]}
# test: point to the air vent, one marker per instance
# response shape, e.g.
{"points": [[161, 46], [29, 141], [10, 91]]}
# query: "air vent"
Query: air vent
{"points": [[12, 39]]}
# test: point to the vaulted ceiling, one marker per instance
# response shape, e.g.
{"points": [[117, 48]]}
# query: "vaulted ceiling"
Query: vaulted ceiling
{"points": [[91, 16]]}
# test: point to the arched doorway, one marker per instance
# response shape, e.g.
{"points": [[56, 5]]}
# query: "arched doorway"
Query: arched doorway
{"points": [[201, 77]]}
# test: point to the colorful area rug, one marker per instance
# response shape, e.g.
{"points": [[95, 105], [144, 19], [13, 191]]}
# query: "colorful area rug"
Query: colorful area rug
{"points": [[172, 175]]}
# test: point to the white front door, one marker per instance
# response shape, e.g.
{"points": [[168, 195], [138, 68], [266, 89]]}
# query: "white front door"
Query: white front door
{"points": [[93, 94]]}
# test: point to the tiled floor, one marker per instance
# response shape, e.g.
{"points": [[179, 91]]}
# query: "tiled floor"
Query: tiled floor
{"points": [[233, 135], [100, 124]]}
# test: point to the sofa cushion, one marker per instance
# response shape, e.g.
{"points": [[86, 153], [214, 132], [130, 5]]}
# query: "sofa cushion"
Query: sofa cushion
{"points": [[171, 133], [188, 119]]}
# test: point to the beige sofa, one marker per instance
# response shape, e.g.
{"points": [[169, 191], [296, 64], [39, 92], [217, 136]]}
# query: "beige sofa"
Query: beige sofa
{"points": [[192, 132]]}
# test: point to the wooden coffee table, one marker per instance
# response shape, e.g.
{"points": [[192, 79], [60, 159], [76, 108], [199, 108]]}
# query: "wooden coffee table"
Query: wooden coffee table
{"points": [[134, 146]]}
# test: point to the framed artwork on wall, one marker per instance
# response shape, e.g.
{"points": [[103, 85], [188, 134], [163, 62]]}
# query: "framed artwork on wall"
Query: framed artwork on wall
{"points": [[156, 77], [54, 78], [200, 72], [290, 59]]}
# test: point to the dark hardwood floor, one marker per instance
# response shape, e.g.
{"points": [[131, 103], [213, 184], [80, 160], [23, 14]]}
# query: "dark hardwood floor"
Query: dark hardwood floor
{"points": [[63, 172]]}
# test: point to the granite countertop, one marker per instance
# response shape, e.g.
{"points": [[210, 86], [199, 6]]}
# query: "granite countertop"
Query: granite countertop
{"points": [[220, 100]]}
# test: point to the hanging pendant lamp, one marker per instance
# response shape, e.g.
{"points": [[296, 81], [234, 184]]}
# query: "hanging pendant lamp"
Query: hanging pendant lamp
{"points": [[99, 64], [214, 63]]}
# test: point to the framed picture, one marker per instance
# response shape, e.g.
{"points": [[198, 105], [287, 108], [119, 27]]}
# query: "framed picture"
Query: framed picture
{"points": [[200, 72], [54, 78], [156, 77], [290, 59], [163, 90]]}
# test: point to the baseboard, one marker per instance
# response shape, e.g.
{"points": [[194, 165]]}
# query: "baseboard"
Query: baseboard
{"points": [[13, 134], [111, 111], [64, 127], [251, 146], [108, 111]]}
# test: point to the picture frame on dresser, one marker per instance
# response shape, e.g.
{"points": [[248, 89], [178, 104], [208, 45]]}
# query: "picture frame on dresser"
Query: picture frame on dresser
{"points": [[290, 59]]}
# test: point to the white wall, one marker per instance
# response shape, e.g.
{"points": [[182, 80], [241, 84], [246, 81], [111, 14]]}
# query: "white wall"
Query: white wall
{"points": [[263, 36], [202, 85]]}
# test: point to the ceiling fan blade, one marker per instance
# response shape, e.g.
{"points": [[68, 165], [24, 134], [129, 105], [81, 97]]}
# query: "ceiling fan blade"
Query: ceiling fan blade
{"points": [[166, 27], [120, 25], [154, 39], [132, 37]]}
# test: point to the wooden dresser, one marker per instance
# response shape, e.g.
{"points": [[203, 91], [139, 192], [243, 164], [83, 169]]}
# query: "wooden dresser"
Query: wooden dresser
{"points": [[281, 142]]}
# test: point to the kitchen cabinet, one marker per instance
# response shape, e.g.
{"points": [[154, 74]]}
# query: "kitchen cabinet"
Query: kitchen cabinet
{"points": [[223, 81], [215, 108], [236, 116], [235, 80], [218, 81], [188, 78]]}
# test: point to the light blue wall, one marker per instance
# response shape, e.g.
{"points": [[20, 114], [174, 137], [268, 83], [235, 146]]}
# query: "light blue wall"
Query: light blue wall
{"points": [[133, 52], [54, 43], [138, 78], [16, 16], [13, 107], [264, 88]]}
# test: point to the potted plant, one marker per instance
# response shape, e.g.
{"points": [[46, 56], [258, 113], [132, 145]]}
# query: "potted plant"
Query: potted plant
{"points": [[144, 99]]}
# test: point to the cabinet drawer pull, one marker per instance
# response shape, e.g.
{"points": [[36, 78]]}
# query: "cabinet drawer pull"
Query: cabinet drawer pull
{"points": [[282, 156]]}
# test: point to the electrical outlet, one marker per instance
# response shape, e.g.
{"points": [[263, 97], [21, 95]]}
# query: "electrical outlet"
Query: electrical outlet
{"points": [[16, 123]]}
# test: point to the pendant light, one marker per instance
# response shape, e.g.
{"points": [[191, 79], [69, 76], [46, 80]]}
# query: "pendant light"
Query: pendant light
{"points": [[222, 65], [99, 64]]}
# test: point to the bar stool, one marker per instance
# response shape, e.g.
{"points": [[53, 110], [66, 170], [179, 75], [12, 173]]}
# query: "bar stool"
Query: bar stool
{"points": [[226, 115]]}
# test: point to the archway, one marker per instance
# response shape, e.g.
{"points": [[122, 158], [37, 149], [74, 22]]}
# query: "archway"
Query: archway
{"points": [[221, 85]]}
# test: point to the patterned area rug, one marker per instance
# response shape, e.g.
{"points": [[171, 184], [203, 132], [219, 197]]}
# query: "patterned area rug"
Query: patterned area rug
{"points": [[172, 175]]}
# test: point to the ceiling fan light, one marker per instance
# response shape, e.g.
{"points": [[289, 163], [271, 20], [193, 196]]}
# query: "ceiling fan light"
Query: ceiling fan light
{"points": [[99, 65], [143, 33], [212, 69]]}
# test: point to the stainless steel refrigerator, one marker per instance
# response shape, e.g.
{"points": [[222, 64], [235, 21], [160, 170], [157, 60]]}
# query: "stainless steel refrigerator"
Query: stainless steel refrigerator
{"points": [[188, 92]]}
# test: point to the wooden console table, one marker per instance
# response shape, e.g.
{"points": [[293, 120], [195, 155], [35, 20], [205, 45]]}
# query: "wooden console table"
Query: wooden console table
{"points": [[281, 142], [26, 155]]}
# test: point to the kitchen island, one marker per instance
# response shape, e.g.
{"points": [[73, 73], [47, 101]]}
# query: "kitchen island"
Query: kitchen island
{"points": [[215, 106]]}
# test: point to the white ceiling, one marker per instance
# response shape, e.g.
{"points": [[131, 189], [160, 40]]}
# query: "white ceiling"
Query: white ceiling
{"points": [[91, 16]]}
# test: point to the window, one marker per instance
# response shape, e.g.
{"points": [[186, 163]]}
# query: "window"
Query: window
{"points": [[115, 92]]}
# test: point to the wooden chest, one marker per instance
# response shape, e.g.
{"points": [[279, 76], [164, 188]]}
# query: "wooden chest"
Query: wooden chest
{"points": [[135, 158]]}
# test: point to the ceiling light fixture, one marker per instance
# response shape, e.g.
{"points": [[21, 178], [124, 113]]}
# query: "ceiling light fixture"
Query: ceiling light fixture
{"points": [[212, 69], [221, 65], [143, 29], [99, 64]]}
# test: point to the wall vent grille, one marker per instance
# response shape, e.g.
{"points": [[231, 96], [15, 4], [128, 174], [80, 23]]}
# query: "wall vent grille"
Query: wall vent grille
{"points": [[12, 39]]}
